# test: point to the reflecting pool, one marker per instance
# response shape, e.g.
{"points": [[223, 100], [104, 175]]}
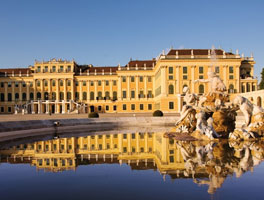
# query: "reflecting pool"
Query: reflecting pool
{"points": [[140, 165]]}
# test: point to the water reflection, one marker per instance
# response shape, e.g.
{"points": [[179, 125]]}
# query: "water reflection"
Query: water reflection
{"points": [[206, 163]]}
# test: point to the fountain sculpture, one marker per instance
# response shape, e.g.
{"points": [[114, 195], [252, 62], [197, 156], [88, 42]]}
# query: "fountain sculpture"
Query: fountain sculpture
{"points": [[213, 115]]}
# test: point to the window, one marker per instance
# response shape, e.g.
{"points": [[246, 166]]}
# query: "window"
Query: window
{"points": [[53, 68], [114, 82], [124, 94], [170, 70], [124, 107], [53, 95], [114, 107], [2, 84], [23, 84], [77, 95], [115, 95], [84, 83], [16, 84], [69, 83], [106, 83], [38, 83], [61, 68], [61, 82], [46, 69], [149, 106], [107, 95], [132, 94], [149, 94], [106, 107], [132, 79], [9, 84], [99, 83], [45, 83], [31, 96], [2, 97], [68, 95], [53, 83], [231, 88], [91, 83], [99, 95], [16, 96], [149, 78], [92, 95], [231, 77], [201, 70], [201, 89], [184, 70], [123, 79], [171, 89], [217, 70], [231, 70], [2, 109], [84, 95], [69, 68], [99, 109], [141, 106], [76, 83], [38, 69], [133, 107], [171, 105], [24, 96], [61, 96], [9, 109], [141, 78], [185, 77], [38, 95], [201, 77], [9, 97], [141, 94]]}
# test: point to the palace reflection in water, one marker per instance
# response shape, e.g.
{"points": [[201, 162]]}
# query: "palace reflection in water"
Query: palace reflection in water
{"points": [[207, 163]]}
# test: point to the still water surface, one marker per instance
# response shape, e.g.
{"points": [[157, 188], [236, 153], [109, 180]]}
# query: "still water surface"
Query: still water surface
{"points": [[130, 166]]}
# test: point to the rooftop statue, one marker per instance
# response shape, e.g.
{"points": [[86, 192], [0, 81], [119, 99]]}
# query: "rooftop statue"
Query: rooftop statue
{"points": [[212, 115]]}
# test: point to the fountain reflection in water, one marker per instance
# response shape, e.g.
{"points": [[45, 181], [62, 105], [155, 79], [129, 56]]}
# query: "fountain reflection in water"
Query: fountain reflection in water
{"points": [[205, 162]]}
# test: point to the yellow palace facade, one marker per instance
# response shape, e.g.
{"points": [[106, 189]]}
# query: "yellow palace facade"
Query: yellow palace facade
{"points": [[61, 86]]}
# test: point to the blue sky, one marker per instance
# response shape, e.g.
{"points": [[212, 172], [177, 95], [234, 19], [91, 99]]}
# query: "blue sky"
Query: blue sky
{"points": [[108, 32]]}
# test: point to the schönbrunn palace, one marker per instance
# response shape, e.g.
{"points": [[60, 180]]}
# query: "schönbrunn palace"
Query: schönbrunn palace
{"points": [[61, 86]]}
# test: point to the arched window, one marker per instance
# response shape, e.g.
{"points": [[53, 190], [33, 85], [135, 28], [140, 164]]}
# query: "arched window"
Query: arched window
{"points": [[84, 95], [38, 95], [99, 95], [231, 88], [53, 96], [68, 95], [61, 82], [31, 96], [16, 96], [92, 95], [115, 95], [107, 95], [53, 83], [61, 95], [201, 89], [45, 83], [77, 96], [69, 83], [38, 83], [171, 89], [46, 96]]}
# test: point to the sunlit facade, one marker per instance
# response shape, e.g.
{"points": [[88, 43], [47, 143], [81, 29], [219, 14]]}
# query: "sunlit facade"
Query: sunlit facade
{"points": [[61, 86]]}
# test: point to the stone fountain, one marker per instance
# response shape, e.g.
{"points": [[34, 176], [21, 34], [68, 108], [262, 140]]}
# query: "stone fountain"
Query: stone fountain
{"points": [[213, 115]]}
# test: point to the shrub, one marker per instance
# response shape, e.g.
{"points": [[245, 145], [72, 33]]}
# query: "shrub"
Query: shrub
{"points": [[157, 113], [93, 115]]}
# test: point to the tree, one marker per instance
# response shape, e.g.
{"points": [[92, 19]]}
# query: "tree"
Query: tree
{"points": [[261, 84]]}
